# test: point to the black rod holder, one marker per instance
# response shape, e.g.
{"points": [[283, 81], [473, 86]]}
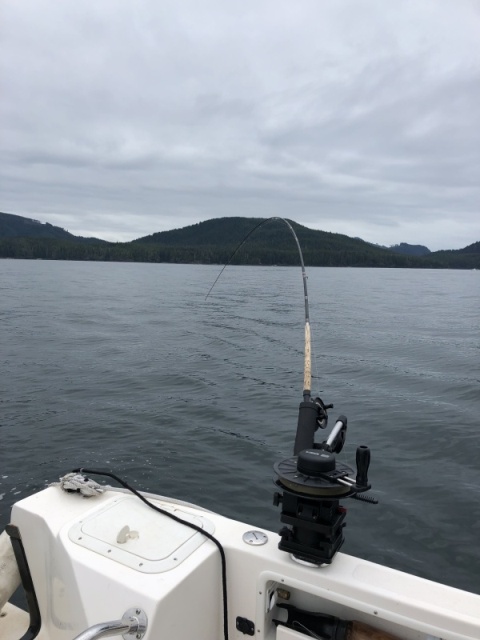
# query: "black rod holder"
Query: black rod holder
{"points": [[312, 482]]}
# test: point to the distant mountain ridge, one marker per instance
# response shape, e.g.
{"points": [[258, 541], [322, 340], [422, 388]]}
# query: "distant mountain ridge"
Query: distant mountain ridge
{"points": [[12, 226], [410, 249], [233, 230], [213, 242], [472, 248]]}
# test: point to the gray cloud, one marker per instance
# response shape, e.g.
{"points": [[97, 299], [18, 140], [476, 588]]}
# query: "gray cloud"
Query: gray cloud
{"points": [[121, 119]]}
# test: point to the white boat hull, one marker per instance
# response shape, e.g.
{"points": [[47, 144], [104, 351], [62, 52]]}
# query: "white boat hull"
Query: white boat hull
{"points": [[86, 571]]}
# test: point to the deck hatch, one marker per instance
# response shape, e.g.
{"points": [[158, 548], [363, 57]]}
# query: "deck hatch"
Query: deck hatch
{"points": [[128, 532]]}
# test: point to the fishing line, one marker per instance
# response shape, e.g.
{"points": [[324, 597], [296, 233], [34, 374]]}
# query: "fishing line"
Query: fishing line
{"points": [[307, 370]]}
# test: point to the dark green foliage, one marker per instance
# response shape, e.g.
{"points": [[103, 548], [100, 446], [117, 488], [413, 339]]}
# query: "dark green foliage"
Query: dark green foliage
{"points": [[19, 227], [272, 243], [472, 248], [214, 241], [454, 259], [410, 249]]}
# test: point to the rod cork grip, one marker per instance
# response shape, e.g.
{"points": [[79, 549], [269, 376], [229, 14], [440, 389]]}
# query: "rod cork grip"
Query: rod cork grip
{"points": [[307, 368], [361, 631]]}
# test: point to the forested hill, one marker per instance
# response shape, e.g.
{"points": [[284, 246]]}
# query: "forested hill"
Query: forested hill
{"points": [[410, 249], [472, 248], [270, 243], [12, 226], [214, 241]]}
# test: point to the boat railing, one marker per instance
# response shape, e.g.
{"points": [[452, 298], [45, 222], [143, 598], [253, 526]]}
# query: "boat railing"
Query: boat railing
{"points": [[132, 626]]}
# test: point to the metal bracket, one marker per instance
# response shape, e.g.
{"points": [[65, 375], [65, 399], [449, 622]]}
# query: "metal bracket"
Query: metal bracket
{"points": [[132, 626], [137, 619]]}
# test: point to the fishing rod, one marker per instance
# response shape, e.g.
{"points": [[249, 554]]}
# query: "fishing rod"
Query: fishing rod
{"points": [[311, 482], [312, 413]]}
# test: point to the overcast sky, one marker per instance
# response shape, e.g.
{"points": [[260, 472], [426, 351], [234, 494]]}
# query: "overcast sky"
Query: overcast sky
{"points": [[121, 118]]}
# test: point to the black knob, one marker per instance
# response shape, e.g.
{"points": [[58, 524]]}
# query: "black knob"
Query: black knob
{"points": [[277, 498], [363, 462]]}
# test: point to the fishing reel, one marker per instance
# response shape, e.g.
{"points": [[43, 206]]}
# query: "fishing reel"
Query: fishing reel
{"points": [[312, 482]]}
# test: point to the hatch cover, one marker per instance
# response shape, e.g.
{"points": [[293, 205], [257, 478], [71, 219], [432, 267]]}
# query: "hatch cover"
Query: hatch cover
{"points": [[131, 533]]}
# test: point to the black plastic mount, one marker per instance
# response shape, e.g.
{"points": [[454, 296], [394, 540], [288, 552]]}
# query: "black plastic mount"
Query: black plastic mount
{"points": [[312, 482], [315, 527], [312, 414]]}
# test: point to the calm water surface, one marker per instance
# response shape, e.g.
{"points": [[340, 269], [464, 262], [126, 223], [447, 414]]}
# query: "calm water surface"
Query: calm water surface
{"points": [[127, 367]]}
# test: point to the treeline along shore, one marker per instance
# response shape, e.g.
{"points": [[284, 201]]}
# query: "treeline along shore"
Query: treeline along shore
{"points": [[214, 241]]}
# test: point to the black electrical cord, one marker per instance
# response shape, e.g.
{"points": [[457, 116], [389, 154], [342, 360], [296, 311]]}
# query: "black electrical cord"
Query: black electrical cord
{"points": [[177, 519]]}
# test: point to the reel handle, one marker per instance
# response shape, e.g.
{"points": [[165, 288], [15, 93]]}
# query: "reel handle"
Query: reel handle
{"points": [[363, 463]]}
